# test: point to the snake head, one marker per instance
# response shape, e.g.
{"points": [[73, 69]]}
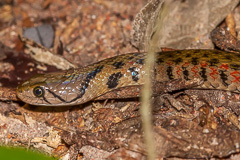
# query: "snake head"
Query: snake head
{"points": [[33, 91], [42, 90]]}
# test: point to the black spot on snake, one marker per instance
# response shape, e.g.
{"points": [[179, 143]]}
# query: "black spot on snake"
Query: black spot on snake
{"points": [[130, 57], [140, 61], [194, 61], [205, 55], [238, 55], [213, 62], [136, 54], [135, 74], [235, 66], [118, 65], [224, 78], [217, 52], [98, 69], [202, 73], [178, 60], [185, 73], [160, 60], [228, 57], [179, 52], [169, 72], [113, 80]]}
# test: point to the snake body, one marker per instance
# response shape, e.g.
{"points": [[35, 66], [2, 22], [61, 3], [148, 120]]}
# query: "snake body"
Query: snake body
{"points": [[218, 69]]}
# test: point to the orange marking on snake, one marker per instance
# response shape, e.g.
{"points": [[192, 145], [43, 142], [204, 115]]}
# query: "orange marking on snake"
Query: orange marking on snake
{"points": [[224, 66], [131, 62], [214, 73], [170, 63], [204, 64], [195, 70], [179, 70], [236, 75], [185, 64]]}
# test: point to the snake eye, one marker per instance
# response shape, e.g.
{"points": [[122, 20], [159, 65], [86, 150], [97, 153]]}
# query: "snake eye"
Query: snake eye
{"points": [[38, 91]]}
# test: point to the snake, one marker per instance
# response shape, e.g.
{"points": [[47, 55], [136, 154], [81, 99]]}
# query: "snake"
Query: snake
{"points": [[219, 70]]}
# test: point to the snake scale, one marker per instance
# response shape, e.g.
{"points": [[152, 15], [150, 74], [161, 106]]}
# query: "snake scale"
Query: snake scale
{"points": [[218, 69]]}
